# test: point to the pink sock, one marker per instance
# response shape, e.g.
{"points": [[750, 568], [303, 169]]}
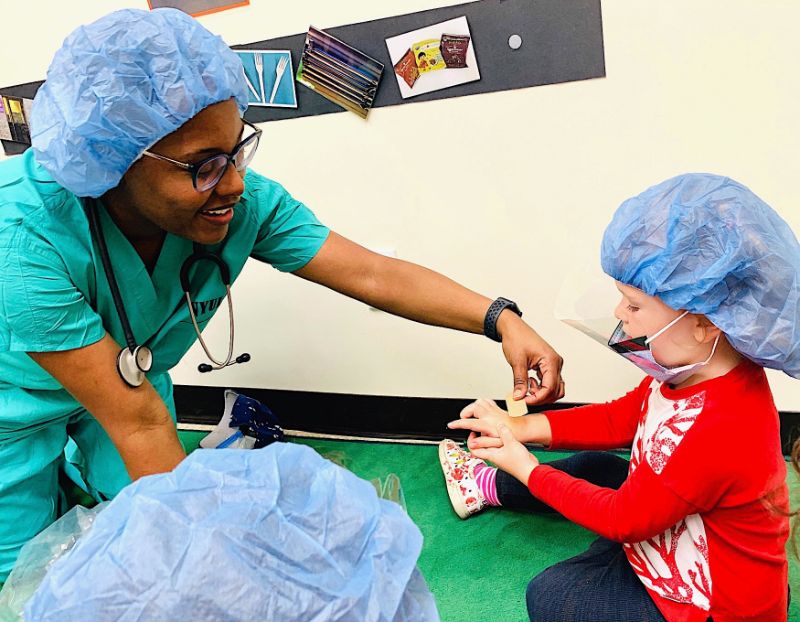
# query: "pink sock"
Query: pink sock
{"points": [[485, 478]]}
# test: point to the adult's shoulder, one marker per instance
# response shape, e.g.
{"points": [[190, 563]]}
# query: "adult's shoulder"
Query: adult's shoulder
{"points": [[267, 202], [262, 194], [32, 203], [286, 234]]}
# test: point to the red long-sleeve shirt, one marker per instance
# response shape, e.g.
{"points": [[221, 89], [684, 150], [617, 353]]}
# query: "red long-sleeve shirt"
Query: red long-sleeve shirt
{"points": [[695, 514]]}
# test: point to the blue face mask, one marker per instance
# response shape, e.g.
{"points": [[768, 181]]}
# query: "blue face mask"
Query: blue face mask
{"points": [[637, 351]]}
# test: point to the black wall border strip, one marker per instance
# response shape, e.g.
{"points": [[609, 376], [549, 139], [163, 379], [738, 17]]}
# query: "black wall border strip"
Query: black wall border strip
{"points": [[562, 42], [367, 416]]}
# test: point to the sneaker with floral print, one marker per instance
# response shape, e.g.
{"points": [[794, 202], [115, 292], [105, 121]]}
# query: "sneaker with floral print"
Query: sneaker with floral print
{"points": [[458, 466]]}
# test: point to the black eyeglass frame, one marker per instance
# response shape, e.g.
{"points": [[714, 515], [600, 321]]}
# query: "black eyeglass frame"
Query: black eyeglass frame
{"points": [[195, 168]]}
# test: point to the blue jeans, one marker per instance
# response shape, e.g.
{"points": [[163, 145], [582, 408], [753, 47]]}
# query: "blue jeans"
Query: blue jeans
{"points": [[598, 585]]}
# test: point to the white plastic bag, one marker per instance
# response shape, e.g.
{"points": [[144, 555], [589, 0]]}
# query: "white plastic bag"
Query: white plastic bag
{"points": [[38, 555]]}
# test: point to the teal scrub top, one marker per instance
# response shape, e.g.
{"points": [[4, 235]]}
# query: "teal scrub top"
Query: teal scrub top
{"points": [[54, 294]]}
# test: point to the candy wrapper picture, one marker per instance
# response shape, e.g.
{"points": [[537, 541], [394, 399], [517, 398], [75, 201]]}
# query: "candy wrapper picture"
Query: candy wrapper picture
{"points": [[433, 58]]}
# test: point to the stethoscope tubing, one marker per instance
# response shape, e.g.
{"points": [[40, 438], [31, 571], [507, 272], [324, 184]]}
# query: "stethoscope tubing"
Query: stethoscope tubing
{"points": [[97, 231], [200, 254], [227, 361], [133, 363]]}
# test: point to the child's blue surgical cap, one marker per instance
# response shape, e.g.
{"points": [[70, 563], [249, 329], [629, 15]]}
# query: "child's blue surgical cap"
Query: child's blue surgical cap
{"points": [[120, 84], [708, 245]]}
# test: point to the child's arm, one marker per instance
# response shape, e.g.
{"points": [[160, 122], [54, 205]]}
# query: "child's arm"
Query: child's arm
{"points": [[597, 426], [642, 507]]}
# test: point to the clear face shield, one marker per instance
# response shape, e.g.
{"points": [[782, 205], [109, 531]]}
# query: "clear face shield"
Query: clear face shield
{"points": [[587, 301]]}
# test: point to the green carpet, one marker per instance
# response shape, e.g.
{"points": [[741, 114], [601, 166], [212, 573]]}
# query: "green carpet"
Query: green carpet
{"points": [[502, 550]]}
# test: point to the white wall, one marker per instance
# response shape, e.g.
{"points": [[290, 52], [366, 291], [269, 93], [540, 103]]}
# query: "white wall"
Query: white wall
{"points": [[691, 86]]}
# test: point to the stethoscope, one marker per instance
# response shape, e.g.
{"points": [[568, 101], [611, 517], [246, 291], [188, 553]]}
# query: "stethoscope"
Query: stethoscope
{"points": [[134, 361]]}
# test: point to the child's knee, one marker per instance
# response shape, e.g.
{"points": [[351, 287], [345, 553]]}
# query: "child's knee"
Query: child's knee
{"points": [[534, 596]]}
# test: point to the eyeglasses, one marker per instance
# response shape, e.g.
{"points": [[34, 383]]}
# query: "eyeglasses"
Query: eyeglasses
{"points": [[207, 173]]}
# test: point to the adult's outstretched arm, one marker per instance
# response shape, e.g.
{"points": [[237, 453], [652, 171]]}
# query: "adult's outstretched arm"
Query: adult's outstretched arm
{"points": [[417, 293]]}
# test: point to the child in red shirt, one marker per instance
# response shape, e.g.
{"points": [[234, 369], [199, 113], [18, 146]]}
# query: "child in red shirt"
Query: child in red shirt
{"points": [[694, 526]]}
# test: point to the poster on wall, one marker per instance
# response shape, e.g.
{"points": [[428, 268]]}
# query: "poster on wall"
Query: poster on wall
{"points": [[196, 8], [433, 58], [16, 112], [339, 72], [5, 129], [269, 76]]}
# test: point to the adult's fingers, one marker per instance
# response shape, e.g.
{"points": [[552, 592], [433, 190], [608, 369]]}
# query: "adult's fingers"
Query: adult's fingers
{"points": [[519, 366], [550, 380]]}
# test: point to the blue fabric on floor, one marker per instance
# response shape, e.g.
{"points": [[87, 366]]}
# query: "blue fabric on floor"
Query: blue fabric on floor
{"points": [[276, 533]]}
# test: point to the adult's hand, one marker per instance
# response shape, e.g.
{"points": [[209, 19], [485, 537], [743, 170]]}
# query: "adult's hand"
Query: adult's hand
{"points": [[526, 351]]}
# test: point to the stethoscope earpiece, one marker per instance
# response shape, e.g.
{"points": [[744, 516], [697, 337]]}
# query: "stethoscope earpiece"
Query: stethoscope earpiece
{"points": [[204, 368]]}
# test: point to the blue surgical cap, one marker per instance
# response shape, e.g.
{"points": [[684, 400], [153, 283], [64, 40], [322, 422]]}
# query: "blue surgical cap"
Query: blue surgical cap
{"points": [[277, 533], [119, 85], [707, 244]]}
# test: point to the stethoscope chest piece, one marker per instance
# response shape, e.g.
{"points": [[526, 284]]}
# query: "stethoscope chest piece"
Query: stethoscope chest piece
{"points": [[134, 361], [133, 365]]}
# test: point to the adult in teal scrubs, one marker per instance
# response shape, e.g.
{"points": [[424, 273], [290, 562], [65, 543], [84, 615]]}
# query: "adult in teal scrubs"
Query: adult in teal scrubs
{"points": [[131, 104]]}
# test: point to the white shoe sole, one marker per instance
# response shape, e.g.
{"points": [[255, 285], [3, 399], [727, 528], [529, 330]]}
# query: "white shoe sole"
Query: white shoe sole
{"points": [[453, 491]]}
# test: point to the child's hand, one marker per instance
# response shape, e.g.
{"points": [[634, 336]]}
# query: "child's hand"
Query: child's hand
{"points": [[482, 417], [511, 457]]}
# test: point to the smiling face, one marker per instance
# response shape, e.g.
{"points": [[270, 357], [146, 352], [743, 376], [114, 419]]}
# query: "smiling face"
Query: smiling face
{"points": [[155, 196], [643, 316]]}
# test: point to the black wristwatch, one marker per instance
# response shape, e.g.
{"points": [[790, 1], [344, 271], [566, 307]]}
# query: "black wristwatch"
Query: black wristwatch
{"points": [[495, 309]]}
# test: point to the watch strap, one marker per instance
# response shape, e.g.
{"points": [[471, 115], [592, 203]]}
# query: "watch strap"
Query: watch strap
{"points": [[494, 311]]}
